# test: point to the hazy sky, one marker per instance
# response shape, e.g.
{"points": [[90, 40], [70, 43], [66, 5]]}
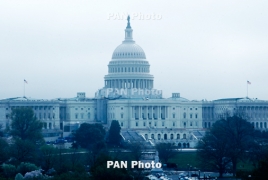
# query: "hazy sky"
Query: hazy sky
{"points": [[202, 49]]}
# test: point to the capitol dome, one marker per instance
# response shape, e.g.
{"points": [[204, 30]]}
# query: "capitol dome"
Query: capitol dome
{"points": [[128, 67], [128, 50]]}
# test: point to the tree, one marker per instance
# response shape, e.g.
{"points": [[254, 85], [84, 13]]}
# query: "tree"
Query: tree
{"points": [[23, 151], [9, 170], [89, 135], [4, 151], [240, 136], [25, 125], [136, 150], [48, 156], [114, 133], [166, 151], [228, 140], [213, 151], [23, 168]]}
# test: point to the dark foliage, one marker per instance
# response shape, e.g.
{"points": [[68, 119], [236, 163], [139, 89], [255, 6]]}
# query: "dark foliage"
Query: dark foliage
{"points": [[114, 133], [25, 125], [166, 151], [100, 171], [4, 151], [229, 140], [89, 136]]}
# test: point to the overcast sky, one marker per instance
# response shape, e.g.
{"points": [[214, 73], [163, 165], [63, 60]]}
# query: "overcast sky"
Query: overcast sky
{"points": [[201, 49]]}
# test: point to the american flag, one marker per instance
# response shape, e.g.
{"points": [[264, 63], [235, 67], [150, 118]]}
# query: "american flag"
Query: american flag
{"points": [[25, 81], [248, 82]]}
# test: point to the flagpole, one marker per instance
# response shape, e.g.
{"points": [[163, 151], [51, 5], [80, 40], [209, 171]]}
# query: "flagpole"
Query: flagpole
{"points": [[23, 88], [247, 89]]}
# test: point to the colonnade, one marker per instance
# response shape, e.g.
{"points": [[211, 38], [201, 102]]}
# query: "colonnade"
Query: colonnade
{"points": [[150, 112]]}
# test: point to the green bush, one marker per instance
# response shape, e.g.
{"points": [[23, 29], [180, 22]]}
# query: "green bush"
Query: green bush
{"points": [[19, 176], [23, 168], [9, 170]]}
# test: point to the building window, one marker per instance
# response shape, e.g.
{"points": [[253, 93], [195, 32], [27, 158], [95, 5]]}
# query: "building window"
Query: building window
{"points": [[122, 116], [191, 116], [76, 116], [173, 123], [163, 123], [196, 116], [88, 115], [184, 136], [184, 115], [121, 108], [155, 124], [195, 108], [171, 136], [122, 124], [152, 136], [82, 115], [184, 124], [191, 124], [137, 124], [144, 124], [173, 115], [190, 108], [178, 136], [88, 108], [159, 136]]}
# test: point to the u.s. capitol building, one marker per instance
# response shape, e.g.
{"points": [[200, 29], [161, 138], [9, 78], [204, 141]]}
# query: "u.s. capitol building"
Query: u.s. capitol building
{"points": [[129, 96]]}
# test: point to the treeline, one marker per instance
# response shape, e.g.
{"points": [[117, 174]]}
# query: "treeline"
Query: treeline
{"points": [[231, 140], [25, 155]]}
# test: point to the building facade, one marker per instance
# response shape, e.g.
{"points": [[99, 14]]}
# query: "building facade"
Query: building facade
{"points": [[129, 96]]}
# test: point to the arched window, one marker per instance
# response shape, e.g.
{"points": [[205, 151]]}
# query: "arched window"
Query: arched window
{"points": [[171, 136], [178, 136], [184, 136], [165, 136], [159, 136], [152, 136], [146, 136]]}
